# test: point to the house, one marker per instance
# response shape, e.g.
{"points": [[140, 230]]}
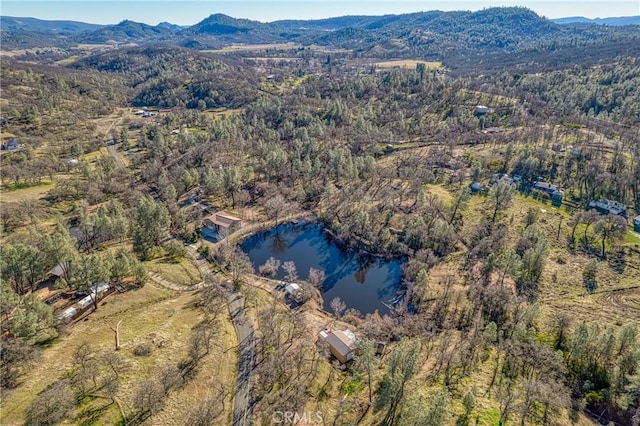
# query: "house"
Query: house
{"points": [[604, 206], [502, 177], [547, 187], [554, 191], [59, 270], [223, 221], [342, 344], [10, 145], [636, 223]]}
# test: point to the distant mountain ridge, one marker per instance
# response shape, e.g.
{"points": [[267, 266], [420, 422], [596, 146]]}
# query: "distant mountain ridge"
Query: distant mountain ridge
{"points": [[126, 31], [434, 34], [12, 23], [613, 21]]}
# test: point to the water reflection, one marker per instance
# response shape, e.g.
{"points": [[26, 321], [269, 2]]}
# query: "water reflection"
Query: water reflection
{"points": [[363, 282]]}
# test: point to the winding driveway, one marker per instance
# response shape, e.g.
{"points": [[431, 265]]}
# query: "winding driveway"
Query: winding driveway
{"points": [[242, 401], [111, 147]]}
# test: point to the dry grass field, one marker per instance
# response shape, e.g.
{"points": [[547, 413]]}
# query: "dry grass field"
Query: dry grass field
{"points": [[408, 63], [149, 315], [182, 273], [28, 193]]}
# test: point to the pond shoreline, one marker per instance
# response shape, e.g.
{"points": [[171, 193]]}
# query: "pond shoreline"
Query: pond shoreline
{"points": [[363, 280]]}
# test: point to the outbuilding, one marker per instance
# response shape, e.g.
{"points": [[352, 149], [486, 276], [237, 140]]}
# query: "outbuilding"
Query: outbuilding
{"points": [[342, 344]]}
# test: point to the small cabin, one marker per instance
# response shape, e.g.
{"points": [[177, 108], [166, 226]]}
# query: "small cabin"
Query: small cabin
{"points": [[342, 344]]}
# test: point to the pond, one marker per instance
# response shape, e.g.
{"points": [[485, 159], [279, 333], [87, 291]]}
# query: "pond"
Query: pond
{"points": [[363, 282]]}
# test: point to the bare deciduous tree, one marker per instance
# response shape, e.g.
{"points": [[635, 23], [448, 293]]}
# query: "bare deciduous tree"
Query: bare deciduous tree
{"points": [[338, 307], [316, 278], [291, 271]]}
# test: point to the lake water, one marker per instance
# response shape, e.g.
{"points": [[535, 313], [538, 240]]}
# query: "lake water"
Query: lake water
{"points": [[363, 282]]}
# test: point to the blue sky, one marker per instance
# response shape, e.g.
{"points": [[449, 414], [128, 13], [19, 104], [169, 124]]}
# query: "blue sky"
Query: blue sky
{"points": [[191, 11]]}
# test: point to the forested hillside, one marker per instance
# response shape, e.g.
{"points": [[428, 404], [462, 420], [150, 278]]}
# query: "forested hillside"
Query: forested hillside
{"points": [[502, 178]]}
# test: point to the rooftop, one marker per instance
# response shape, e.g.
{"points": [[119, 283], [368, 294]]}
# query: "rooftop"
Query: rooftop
{"points": [[223, 219], [608, 205], [341, 341]]}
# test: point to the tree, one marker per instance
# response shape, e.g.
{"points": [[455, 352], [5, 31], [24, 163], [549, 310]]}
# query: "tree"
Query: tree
{"points": [[115, 363], [533, 262], [123, 138], [33, 321], [531, 216], [366, 363], [206, 413], [589, 275], [176, 251], [234, 260], [338, 306], [509, 263], [316, 278], [21, 266], [277, 207], [575, 220], [60, 249], [232, 182], [588, 218], [403, 365], [149, 397], [151, 224], [51, 406], [291, 271], [469, 403], [611, 227], [270, 267], [462, 196], [435, 413], [15, 358], [92, 270], [500, 195]]}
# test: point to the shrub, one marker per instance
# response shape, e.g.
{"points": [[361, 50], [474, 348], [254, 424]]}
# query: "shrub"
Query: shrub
{"points": [[143, 349]]}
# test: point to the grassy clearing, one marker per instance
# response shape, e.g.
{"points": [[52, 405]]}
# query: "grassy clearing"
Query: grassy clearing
{"points": [[11, 193], [253, 47], [150, 314], [182, 273], [69, 60], [408, 63]]}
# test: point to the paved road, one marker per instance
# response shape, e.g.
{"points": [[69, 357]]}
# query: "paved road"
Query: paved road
{"points": [[242, 401]]}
